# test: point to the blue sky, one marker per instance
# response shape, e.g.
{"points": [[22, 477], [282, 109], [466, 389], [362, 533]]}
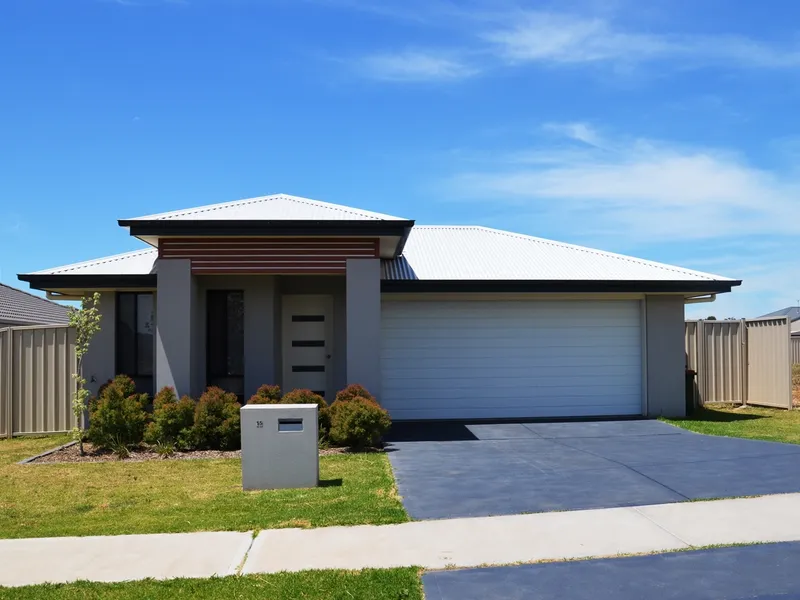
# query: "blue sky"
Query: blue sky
{"points": [[667, 130]]}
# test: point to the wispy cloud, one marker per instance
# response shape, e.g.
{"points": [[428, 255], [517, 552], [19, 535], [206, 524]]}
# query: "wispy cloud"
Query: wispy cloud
{"points": [[643, 189], [581, 132], [415, 66], [555, 38], [513, 38]]}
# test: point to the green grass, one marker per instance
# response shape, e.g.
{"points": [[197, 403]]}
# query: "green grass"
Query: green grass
{"points": [[113, 498], [387, 584], [771, 424]]}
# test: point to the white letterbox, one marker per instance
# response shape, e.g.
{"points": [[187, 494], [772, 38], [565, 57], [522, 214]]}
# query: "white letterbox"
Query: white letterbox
{"points": [[280, 447]]}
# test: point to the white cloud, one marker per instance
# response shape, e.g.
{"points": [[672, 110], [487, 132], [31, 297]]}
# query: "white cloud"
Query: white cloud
{"points": [[645, 190], [415, 66], [562, 38], [513, 37], [581, 132]]}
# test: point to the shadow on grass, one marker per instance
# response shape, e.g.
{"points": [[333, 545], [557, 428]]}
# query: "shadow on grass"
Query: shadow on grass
{"points": [[718, 416], [330, 482]]}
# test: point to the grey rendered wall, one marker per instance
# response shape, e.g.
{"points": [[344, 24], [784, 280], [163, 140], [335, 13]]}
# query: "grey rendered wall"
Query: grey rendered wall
{"points": [[666, 358], [319, 284], [99, 362], [364, 323], [259, 329], [175, 306]]}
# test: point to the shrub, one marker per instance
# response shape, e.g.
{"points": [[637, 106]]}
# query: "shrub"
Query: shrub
{"points": [[172, 420], [352, 391], [118, 417], [309, 397], [216, 421], [266, 394], [358, 422]]}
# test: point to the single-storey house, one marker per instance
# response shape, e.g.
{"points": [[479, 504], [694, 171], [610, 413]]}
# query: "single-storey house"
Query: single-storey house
{"points": [[440, 322], [19, 308], [790, 312]]}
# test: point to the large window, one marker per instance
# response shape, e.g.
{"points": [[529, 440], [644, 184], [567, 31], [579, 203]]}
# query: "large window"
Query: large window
{"points": [[135, 330], [225, 340]]}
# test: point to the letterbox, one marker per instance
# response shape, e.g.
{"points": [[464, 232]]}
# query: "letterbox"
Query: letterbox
{"points": [[280, 447]]}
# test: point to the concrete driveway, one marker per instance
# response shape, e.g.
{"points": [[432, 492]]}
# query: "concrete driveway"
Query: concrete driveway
{"points": [[765, 572], [452, 470]]}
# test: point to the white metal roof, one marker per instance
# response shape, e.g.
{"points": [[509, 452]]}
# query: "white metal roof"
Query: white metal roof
{"points": [[463, 253], [479, 253], [138, 262], [277, 207]]}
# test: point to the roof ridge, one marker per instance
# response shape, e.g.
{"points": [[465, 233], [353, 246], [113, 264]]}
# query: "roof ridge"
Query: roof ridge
{"points": [[366, 214], [21, 291], [98, 261], [615, 255], [217, 206], [587, 250], [330, 205]]}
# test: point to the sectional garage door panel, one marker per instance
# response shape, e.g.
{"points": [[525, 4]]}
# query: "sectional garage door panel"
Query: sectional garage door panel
{"points": [[511, 359]]}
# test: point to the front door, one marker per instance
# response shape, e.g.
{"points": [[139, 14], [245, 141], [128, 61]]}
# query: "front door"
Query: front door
{"points": [[307, 343]]}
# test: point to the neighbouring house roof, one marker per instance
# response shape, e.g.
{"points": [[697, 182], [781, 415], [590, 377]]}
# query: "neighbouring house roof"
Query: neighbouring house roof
{"points": [[23, 308], [276, 207], [793, 312], [458, 254]]}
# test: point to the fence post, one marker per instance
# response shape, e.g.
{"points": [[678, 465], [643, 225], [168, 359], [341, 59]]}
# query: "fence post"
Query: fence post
{"points": [[10, 385], [746, 365]]}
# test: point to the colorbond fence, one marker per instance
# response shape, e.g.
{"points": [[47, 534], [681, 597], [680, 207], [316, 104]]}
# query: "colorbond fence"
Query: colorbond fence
{"points": [[795, 341], [36, 384], [741, 362]]}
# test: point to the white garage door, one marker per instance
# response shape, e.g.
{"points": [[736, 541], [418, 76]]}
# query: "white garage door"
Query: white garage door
{"points": [[511, 359]]}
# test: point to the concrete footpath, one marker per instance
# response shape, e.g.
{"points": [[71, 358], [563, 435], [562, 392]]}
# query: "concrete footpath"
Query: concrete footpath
{"points": [[429, 544]]}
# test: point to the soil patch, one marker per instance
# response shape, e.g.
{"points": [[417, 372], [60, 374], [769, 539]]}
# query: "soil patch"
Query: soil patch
{"points": [[71, 454]]}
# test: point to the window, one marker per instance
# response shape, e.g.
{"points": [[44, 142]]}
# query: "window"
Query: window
{"points": [[225, 339], [134, 331]]}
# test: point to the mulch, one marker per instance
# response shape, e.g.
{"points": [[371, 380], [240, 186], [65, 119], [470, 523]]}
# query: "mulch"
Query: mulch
{"points": [[71, 454]]}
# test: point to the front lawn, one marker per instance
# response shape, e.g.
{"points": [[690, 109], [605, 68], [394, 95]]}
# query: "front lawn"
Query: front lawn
{"points": [[771, 424], [388, 584], [113, 498]]}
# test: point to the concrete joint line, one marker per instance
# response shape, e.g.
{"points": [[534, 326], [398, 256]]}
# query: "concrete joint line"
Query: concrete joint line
{"points": [[660, 526], [240, 556]]}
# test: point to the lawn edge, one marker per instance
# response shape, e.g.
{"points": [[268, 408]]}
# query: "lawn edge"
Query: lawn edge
{"points": [[31, 459]]}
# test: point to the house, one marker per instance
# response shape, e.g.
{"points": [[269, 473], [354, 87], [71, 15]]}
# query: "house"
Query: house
{"points": [[18, 308], [790, 312], [440, 322]]}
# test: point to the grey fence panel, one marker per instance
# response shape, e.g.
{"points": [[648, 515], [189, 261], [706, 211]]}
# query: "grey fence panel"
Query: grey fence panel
{"points": [[795, 350], [740, 361], [769, 372], [36, 384]]}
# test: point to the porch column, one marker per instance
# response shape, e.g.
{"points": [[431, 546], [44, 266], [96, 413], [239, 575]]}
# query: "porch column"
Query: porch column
{"points": [[174, 307], [364, 323]]}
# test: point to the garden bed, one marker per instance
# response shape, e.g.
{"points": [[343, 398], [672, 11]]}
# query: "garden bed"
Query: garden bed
{"points": [[71, 454]]}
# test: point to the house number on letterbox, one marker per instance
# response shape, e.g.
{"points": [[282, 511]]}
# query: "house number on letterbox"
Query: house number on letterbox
{"points": [[259, 424]]}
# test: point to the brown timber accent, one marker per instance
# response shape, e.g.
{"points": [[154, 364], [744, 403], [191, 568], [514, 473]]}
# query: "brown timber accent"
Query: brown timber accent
{"points": [[294, 256]]}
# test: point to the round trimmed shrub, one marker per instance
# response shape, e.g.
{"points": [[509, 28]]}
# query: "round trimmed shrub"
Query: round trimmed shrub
{"points": [[118, 418], [358, 423], [266, 394], [217, 424], [309, 397], [173, 420], [352, 391]]}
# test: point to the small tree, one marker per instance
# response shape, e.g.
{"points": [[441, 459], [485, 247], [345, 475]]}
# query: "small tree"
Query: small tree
{"points": [[86, 322]]}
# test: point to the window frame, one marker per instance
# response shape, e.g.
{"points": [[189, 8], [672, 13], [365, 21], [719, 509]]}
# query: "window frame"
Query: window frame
{"points": [[117, 319], [210, 373]]}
